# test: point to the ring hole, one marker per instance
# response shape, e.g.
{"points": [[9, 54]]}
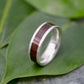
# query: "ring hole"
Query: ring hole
{"points": [[49, 47]]}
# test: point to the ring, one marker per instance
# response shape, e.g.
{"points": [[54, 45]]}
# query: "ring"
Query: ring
{"points": [[45, 43]]}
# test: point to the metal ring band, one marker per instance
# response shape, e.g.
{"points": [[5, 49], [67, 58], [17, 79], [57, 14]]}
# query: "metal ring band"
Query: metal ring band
{"points": [[38, 39]]}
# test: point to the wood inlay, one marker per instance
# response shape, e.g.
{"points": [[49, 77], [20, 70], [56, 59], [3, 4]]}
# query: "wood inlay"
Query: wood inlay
{"points": [[37, 39]]}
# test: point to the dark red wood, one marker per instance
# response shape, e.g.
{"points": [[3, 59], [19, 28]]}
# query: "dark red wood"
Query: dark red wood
{"points": [[37, 39]]}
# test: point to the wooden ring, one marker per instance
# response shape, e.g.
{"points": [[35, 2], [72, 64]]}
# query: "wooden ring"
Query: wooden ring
{"points": [[38, 39]]}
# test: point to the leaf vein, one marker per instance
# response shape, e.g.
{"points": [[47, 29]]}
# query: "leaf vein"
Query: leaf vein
{"points": [[5, 14]]}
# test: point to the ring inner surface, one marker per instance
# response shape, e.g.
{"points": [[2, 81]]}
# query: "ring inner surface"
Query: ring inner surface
{"points": [[49, 47]]}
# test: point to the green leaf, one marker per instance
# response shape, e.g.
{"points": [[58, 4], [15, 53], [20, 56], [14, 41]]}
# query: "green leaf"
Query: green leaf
{"points": [[2, 68], [12, 13], [3, 53], [63, 8], [2, 63], [2, 4], [70, 55], [18, 60]]}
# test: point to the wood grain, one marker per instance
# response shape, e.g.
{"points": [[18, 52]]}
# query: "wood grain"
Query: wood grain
{"points": [[37, 39]]}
